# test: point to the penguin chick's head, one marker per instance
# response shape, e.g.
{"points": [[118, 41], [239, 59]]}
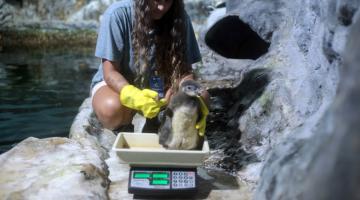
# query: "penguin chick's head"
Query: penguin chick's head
{"points": [[191, 88]]}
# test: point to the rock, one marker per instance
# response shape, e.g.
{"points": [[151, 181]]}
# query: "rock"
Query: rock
{"points": [[79, 13], [325, 165], [52, 168], [295, 64], [5, 13], [87, 130], [119, 174], [306, 42]]}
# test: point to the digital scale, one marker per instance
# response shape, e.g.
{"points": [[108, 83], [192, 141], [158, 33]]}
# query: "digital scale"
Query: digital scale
{"points": [[162, 181], [157, 171]]}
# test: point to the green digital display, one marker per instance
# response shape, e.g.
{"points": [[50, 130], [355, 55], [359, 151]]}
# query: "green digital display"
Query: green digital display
{"points": [[142, 175], [160, 175], [160, 182]]}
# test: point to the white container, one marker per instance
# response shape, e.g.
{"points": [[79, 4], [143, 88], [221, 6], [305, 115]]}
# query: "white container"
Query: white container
{"points": [[143, 149]]}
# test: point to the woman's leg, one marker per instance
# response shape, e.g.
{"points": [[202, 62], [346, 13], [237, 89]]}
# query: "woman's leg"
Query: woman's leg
{"points": [[108, 109]]}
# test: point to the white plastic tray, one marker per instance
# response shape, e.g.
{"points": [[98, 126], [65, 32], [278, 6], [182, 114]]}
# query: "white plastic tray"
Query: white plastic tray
{"points": [[143, 149]]}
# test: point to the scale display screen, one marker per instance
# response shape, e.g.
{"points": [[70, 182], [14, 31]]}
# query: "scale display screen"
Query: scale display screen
{"points": [[150, 175], [169, 180], [159, 182], [160, 175], [142, 175]]}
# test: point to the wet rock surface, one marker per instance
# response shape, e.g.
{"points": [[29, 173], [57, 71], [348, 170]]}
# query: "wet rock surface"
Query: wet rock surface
{"points": [[227, 105], [53, 168]]}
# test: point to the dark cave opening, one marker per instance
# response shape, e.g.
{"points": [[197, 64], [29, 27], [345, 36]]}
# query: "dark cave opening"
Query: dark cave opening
{"points": [[232, 38]]}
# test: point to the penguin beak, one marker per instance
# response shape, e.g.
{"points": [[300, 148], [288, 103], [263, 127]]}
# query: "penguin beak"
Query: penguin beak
{"points": [[199, 91]]}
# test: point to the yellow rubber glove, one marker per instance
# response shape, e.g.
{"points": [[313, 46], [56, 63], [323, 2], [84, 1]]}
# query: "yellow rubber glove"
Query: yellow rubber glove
{"points": [[144, 100], [201, 125]]}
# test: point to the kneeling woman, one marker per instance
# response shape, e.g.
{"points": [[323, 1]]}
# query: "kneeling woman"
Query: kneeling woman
{"points": [[147, 48]]}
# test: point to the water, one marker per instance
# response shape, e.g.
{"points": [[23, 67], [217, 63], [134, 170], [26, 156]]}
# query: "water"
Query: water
{"points": [[41, 91]]}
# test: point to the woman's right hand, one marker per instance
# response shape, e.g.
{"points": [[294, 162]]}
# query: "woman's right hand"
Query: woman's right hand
{"points": [[144, 100]]}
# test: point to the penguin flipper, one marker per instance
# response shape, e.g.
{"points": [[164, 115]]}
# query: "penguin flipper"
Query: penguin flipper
{"points": [[165, 129]]}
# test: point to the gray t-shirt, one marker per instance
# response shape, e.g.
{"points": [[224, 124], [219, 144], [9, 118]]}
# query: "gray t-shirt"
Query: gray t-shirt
{"points": [[114, 41]]}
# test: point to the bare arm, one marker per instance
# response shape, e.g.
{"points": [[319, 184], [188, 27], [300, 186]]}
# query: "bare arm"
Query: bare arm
{"points": [[114, 79]]}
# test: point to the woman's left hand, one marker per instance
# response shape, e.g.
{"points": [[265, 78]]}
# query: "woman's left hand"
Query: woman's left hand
{"points": [[169, 94]]}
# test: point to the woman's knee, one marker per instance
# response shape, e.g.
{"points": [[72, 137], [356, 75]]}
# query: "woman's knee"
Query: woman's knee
{"points": [[109, 110]]}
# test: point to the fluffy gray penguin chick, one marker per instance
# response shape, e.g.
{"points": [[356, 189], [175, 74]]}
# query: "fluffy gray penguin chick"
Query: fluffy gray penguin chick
{"points": [[177, 122]]}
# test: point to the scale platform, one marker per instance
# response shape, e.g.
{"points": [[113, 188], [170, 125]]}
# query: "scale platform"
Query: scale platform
{"points": [[155, 170]]}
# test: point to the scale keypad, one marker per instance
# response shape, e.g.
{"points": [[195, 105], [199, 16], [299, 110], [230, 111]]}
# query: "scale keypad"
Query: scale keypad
{"points": [[183, 179]]}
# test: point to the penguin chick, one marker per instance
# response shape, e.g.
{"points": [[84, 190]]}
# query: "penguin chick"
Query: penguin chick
{"points": [[177, 122]]}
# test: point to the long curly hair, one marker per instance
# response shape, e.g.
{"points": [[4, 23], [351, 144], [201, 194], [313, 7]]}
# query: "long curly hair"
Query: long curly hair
{"points": [[167, 35]]}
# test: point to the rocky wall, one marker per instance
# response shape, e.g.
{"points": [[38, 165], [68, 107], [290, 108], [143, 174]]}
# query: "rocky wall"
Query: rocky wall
{"points": [[325, 165], [283, 126]]}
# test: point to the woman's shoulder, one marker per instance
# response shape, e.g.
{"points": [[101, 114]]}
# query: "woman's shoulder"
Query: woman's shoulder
{"points": [[119, 7]]}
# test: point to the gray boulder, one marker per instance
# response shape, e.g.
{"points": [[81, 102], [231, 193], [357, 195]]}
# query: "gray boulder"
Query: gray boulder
{"points": [[53, 168], [302, 60], [326, 165], [301, 46]]}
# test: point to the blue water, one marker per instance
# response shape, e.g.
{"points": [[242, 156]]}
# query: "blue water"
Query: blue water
{"points": [[40, 92]]}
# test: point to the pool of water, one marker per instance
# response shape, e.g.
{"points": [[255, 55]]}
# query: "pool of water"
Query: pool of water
{"points": [[41, 91]]}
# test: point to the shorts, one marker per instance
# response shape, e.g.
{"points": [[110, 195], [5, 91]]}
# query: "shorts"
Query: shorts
{"points": [[96, 87]]}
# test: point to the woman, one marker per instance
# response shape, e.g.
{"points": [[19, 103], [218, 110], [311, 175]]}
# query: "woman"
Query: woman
{"points": [[142, 44]]}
